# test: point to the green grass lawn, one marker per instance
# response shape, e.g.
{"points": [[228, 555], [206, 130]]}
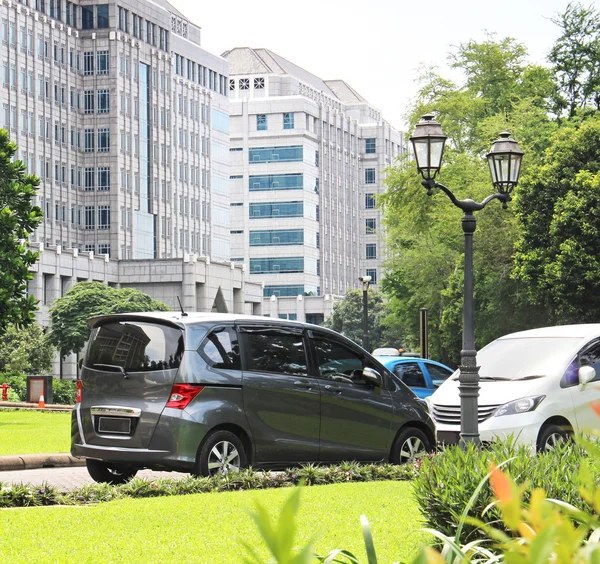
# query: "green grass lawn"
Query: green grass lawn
{"points": [[33, 432], [208, 527]]}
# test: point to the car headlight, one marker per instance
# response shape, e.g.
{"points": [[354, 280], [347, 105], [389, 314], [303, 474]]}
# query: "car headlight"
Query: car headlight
{"points": [[522, 405]]}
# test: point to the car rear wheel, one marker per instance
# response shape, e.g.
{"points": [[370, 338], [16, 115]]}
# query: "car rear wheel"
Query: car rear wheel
{"points": [[410, 445], [107, 473], [222, 453], [553, 435]]}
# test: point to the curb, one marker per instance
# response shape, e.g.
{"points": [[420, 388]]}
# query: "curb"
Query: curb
{"points": [[33, 461], [25, 405]]}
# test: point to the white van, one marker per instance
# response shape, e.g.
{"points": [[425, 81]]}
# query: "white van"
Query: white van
{"points": [[537, 385]]}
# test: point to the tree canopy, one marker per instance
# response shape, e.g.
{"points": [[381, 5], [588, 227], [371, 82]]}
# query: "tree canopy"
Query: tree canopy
{"points": [[18, 219], [347, 318], [25, 349], [69, 315]]}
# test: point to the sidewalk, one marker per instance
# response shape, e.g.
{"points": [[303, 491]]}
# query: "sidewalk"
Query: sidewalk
{"points": [[25, 405]]}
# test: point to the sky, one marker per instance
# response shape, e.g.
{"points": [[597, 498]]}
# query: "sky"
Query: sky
{"points": [[376, 46]]}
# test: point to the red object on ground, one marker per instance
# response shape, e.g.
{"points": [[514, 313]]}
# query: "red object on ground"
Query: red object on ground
{"points": [[5, 387]]}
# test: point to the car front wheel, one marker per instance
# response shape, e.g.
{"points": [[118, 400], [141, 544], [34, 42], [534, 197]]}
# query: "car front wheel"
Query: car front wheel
{"points": [[553, 435], [107, 473], [410, 445]]}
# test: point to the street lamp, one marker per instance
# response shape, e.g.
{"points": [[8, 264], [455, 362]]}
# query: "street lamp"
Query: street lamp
{"points": [[504, 160], [366, 280]]}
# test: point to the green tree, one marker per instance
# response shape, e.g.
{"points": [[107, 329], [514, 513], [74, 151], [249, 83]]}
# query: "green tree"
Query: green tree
{"points": [[347, 319], [18, 219], [69, 315], [558, 250], [575, 57], [25, 349]]}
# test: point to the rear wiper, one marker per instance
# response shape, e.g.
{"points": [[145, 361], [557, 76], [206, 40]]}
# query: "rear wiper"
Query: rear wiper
{"points": [[533, 377], [119, 368], [495, 379]]}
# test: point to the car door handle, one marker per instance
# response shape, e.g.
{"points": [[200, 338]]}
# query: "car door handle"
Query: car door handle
{"points": [[336, 389], [303, 385]]}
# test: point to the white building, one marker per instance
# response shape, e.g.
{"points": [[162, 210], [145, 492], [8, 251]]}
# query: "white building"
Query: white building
{"points": [[308, 158]]}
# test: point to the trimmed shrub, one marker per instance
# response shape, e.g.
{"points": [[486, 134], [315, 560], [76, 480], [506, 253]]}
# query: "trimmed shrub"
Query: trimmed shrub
{"points": [[25, 495], [17, 383], [449, 478], [63, 391]]}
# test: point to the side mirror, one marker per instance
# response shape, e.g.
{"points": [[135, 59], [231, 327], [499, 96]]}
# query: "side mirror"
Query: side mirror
{"points": [[373, 377], [586, 374]]}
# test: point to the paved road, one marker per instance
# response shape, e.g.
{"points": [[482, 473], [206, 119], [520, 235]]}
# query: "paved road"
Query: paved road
{"points": [[68, 478]]}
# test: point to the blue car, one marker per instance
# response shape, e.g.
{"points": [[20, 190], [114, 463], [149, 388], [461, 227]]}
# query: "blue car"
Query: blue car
{"points": [[421, 375]]}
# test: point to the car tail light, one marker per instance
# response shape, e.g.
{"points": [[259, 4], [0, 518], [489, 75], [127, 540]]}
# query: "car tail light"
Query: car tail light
{"points": [[79, 385], [182, 394]]}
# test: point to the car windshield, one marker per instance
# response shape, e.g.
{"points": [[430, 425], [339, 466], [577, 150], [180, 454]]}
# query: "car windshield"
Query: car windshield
{"points": [[526, 358]]}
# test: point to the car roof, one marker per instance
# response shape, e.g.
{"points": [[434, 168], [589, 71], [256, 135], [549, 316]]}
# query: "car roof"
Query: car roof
{"points": [[582, 330]]}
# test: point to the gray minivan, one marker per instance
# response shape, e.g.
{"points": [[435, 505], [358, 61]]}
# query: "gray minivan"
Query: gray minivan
{"points": [[210, 393]]}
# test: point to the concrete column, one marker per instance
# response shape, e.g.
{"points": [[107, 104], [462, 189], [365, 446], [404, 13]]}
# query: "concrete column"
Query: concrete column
{"points": [[274, 310], [238, 300], [188, 284], [300, 308]]}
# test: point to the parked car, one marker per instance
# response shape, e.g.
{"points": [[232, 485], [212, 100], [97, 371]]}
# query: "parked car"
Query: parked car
{"points": [[421, 375], [537, 385], [212, 393]]}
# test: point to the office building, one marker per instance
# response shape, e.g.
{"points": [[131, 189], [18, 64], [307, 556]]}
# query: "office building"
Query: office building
{"points": [[307, 161]]}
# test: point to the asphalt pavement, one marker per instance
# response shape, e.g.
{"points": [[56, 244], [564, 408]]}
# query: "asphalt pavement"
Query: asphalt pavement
{"points": [[67, 478]]}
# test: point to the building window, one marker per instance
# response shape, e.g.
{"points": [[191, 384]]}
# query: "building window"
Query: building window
{"points": [[371, 250], [288, 121], [87, 17], [370, 145], [231, 84], [259, 83], [275, 154], [370, 226], [294, 181], [276, 237], [104, 249], [102, 16], [372, 272], [104, 178], [90, 212], [276, 209], [88, 137], [276, 265], [103, 62], [103, 217], [244, 83], [370, 201], [103, 101], [88, 62], [369, 176], [88, 101], [261, 122], [104, 140], [89, 179]]}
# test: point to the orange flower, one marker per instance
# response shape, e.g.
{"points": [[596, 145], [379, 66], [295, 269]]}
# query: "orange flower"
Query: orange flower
{"points": [[500, 484]]}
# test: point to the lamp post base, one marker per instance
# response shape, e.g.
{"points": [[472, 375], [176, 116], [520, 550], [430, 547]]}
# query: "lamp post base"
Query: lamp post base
{"points": [[469, 391]]}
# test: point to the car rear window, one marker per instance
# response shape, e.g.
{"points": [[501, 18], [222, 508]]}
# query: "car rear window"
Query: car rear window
{"points": [[135, 346]]}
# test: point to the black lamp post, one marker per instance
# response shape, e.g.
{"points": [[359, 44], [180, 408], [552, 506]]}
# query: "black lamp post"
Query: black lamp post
{"points": [[366, 280], [504, 160]]}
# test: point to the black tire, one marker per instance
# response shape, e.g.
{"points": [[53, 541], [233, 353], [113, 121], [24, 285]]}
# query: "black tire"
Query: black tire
{"points": [[211, 460], [409, 445], [551, 435], [107, 473]]}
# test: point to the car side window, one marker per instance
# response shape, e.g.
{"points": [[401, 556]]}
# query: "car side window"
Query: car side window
{"points": [[337, 362], [221, 349], [410, 373], [276, 350], [438, 374], [591, 357]]}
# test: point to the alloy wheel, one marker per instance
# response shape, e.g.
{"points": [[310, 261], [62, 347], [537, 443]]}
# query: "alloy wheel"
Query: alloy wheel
{"points": [[412, 449], [223, 458]]}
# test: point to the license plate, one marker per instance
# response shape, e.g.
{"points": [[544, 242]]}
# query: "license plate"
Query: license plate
{"points": [[448, 437], [118, 425]]}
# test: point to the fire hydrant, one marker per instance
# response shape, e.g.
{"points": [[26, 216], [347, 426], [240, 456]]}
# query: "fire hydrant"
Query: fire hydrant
{"points": [[5, 387]]}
